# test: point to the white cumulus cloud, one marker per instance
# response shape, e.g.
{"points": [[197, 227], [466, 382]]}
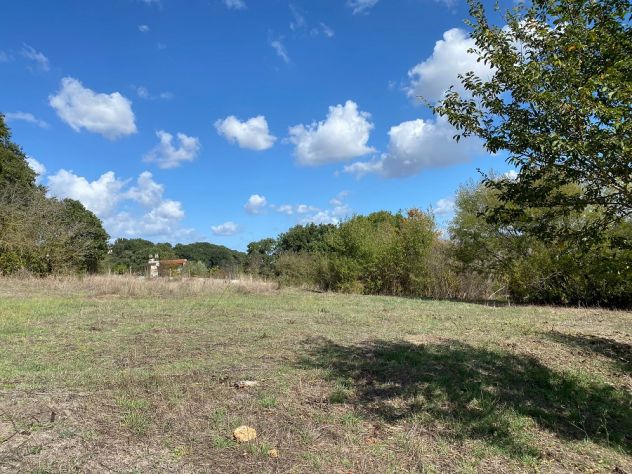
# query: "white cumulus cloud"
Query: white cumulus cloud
{"points": [[143, 28], [166, 155], [146, 192], [444, 206], [334, 215], [100, 196], [225, 229], [252, 134], [256, 204], [126, 210], [110, 115], [450, 57], [417, 145], [289, 209], [341, 136]]}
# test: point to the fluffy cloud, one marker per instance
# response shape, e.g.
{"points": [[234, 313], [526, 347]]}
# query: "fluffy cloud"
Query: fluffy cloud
{"points": [[279, 47], [100, 196], [110, 199], [166, 155], [361, 6], [338, 211], [146, 192], [235, 4], [341, 136], [252, 134], [450, 57], [444, 206], [37, 57], [143, 28], [225, 229], [256, 204], [110, 115], [25, 117], [417, 145], [311, 214], [289, 209]]}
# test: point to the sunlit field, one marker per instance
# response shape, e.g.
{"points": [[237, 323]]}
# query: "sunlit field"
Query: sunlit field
{"points": [[128, 375]]}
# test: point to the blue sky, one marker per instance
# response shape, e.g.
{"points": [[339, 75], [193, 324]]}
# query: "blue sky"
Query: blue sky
{"points": [[232, 120]]}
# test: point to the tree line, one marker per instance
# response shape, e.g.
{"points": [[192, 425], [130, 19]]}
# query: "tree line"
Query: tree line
{"points": [[405, 254]]}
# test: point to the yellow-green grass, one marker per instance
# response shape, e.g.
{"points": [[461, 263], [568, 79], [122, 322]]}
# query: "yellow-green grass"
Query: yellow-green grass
{"points": [[95, 380]]}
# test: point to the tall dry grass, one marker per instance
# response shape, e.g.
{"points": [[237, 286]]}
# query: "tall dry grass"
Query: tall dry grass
{"points": [[128, 286]]}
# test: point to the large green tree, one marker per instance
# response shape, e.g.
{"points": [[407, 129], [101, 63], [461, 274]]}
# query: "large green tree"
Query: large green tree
{"points": [[40, 234], [559, 105]]}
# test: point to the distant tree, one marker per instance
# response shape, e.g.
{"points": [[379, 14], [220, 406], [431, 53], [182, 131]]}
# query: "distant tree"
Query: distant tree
{"points": [[260, 257], [211, 255], [559, 104], [304, 238], [134, 253], [195, 268]]}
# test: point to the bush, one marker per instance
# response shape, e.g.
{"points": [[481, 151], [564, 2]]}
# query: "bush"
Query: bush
{"points": [[195, 269], [298, 269], [535, 271]]}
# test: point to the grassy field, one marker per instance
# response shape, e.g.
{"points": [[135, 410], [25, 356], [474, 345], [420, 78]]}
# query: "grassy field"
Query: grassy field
{"points": [[123, 375]]}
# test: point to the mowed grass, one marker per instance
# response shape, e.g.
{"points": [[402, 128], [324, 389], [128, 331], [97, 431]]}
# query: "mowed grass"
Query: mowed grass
{"points": [[145, 381]]}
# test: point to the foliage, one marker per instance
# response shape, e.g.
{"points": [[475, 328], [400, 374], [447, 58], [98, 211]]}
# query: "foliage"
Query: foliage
{"points": [[44, 235], [559, 106], [14, 169], [298, 269], [39, 234], [195, 269], [132, 254], [260, 257], [210, 255], [538, 271], [89, 240], [304, 238], [382, 253]]}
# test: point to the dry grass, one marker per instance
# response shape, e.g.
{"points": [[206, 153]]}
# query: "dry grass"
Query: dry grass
{"points": [[140, 376], [130, 286]]}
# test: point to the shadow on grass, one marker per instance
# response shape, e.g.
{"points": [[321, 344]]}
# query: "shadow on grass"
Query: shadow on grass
{"points": [[619, 352], [475, 393]]}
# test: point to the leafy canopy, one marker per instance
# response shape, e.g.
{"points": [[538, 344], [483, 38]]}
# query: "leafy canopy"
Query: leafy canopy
{"points": [[559, 105]]}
